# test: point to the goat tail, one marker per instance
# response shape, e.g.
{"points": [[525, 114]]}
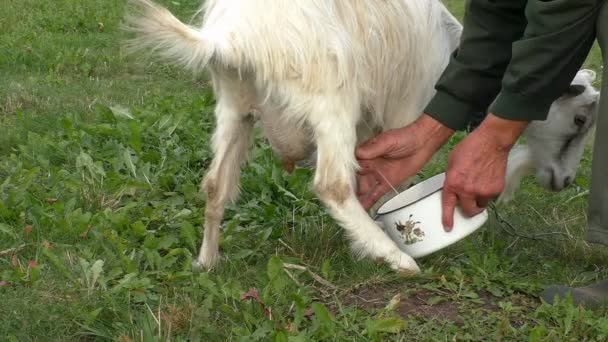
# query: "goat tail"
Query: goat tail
{"points": [[160, 31]]}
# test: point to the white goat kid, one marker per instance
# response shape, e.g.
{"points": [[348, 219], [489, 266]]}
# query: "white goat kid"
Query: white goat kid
{"points": [[554, 147], [321, 75]]}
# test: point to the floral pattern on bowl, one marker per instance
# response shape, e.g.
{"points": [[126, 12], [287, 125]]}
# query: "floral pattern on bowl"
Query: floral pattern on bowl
{"points": [[410, 232]]}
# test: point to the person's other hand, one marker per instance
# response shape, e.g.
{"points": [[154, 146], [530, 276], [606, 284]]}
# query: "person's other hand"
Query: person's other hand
{"points": [[392, 157], [477, 167]]}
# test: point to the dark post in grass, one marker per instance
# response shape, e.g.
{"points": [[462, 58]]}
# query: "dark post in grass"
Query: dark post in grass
{"points": [[595, 295], [598, 198]]}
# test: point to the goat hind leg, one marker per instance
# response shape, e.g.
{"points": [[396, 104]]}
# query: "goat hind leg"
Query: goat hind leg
{"points": [[221, 182]]}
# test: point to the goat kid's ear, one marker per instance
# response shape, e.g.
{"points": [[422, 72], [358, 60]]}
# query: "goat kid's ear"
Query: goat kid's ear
{"points": [[575, 90], [588, 74]]}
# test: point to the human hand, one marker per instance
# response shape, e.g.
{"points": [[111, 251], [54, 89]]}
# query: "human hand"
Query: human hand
{"points": [[477, 167], [390, 158]]}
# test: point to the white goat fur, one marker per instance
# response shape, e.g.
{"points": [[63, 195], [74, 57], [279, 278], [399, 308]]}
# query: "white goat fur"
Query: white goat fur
{"points": [[555, 146], [327, 75], [324, 74]]}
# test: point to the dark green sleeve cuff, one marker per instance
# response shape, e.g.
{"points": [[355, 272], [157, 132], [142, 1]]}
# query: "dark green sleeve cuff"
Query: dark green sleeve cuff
{"points": [[512, 106], [450, 110]]}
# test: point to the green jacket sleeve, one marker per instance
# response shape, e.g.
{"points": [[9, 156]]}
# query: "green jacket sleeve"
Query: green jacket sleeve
{"points": [[515, 58]]}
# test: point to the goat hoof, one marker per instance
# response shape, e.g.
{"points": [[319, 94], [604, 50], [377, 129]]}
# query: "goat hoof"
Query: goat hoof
{"points": [[197, 266], [405, 264], [288, 165], [202, 264]]}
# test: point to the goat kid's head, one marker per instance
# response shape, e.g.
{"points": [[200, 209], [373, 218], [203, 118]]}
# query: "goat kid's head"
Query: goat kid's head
{"points": [[557, 144]]}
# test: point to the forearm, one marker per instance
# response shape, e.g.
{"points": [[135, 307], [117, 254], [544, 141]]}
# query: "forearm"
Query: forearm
{"points": [[500, 133], [555, 44], [473, 76], [433, 132]]}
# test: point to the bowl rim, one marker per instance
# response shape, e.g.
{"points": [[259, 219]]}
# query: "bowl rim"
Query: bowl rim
{"points": [[413, 194]]}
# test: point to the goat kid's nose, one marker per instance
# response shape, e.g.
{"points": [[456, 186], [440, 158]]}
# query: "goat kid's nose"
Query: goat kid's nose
{"points": [[557, 182], [553, 183]]}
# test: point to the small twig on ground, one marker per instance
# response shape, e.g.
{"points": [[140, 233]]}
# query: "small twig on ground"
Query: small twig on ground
{"points": [[13, 250], [539, 215], [567, 230], [372, 301], [512, 243], [315, 276], [584, 193], [287, 246], [290, 275]]}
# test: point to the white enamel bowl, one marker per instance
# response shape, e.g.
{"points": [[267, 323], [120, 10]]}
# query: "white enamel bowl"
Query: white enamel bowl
{"points": [[413, 219]]}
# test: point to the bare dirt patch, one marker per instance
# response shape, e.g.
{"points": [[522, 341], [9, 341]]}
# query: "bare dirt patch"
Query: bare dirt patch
{"points": [[423, 303], [415, 303]]}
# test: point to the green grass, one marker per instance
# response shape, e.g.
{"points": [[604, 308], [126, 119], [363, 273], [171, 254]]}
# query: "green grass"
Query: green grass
{"points": [[100, 160]]}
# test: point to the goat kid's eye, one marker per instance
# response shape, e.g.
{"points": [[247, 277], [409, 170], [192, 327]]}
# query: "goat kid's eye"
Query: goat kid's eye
{"points": [[579, 120]]}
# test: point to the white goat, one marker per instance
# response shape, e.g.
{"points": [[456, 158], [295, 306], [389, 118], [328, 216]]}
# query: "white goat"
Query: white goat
{"points": [[325, 75], [319, 74], [555, 146]]}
